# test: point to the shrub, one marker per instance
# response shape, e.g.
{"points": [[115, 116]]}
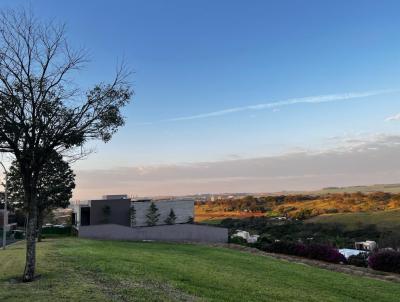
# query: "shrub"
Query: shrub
{"points": [[284, 247], [261, 242], [56, 231], [171, 217], [152, 215], [312, 251], [237, 240], [387, 261], [18, 234], [360, 260], [331, 211], [324, 253]]}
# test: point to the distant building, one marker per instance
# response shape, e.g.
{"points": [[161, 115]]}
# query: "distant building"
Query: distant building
{"points": [[350, 252], [246, 236], [368, 245], [117, 217], [360, 248], [121, 196]]}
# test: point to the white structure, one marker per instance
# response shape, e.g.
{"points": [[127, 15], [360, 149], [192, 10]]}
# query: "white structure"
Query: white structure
{"points": [[366, 245], [130, 212], [350, 252], [360, 248], [182, 208], [246, 236]]}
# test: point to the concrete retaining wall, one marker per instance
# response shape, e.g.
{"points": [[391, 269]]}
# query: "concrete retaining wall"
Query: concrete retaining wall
{"points": [[176, 232]]}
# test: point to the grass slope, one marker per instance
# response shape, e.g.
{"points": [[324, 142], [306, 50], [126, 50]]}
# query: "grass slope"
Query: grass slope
{"points": [[88, 270], [383, 220]]}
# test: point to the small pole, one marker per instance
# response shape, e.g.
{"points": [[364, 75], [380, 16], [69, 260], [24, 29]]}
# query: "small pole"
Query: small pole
{"points": [[5, 215]]}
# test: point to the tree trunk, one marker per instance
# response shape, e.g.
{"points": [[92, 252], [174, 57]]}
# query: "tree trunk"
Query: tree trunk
{"points": [[39, 226], [30, 199]]}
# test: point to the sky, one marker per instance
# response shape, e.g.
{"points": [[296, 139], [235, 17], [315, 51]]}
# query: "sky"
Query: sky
{"points": [[240, 96]]}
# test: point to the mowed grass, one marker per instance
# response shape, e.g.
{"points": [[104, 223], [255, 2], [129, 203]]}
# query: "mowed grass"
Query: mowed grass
{"points": [[383, 220], [88, 270]]}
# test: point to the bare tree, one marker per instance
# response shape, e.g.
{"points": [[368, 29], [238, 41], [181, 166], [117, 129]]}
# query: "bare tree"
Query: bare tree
{"points": [[41, 108]]}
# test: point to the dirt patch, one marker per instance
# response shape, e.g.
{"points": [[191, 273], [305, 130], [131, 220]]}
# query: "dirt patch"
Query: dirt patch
{"points": [[347, 269]]}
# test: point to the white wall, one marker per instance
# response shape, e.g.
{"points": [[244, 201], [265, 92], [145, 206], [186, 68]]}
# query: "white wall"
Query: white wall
{"points": [[183, 208]]}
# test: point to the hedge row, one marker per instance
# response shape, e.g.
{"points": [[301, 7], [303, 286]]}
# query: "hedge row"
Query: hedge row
{"points": [[387, 261], [311, 251], [56, 231]]}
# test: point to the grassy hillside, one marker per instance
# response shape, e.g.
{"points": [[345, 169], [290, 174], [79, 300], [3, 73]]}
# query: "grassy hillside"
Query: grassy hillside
{"points": [[214, 216], [383, 220], [298, 206], [89, 270], [389, 188]]}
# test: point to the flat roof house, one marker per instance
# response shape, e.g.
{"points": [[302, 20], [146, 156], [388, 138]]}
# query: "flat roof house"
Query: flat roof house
{"points": [[121, 210], [117, 217]]}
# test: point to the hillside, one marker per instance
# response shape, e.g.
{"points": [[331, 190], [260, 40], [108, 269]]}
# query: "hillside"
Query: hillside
{"points": [[383, 220], [299, 206], [88, 270], [388, 188]]}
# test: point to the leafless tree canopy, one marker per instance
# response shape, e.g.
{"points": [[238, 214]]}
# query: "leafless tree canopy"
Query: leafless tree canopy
{"points": [[40, 107]]}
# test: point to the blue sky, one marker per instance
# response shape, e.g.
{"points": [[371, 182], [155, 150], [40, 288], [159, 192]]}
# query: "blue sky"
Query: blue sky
{"points": [[199, 57]]}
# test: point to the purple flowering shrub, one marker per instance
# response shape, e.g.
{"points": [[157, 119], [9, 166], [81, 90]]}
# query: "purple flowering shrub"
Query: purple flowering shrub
{"points": [[312, 251], [325, 253], [387, 261]]}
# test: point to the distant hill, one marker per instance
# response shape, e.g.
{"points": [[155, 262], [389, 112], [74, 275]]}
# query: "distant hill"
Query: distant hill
{"points": [[389, 188], [301, 205]]}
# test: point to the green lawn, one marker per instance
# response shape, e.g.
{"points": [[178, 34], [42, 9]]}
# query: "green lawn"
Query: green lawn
{"points": [[88, 270], [383, 220]]}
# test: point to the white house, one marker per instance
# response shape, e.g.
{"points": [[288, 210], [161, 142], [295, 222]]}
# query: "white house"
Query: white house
{"points": [[368, 245], [246, 236]]}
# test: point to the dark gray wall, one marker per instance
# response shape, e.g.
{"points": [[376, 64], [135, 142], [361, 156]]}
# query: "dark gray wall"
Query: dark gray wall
{"points": [[119, 211], [177, 232]]}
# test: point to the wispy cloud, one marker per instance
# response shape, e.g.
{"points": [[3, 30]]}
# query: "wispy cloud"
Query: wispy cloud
{"points": [[393, 118], [275, 105]]}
